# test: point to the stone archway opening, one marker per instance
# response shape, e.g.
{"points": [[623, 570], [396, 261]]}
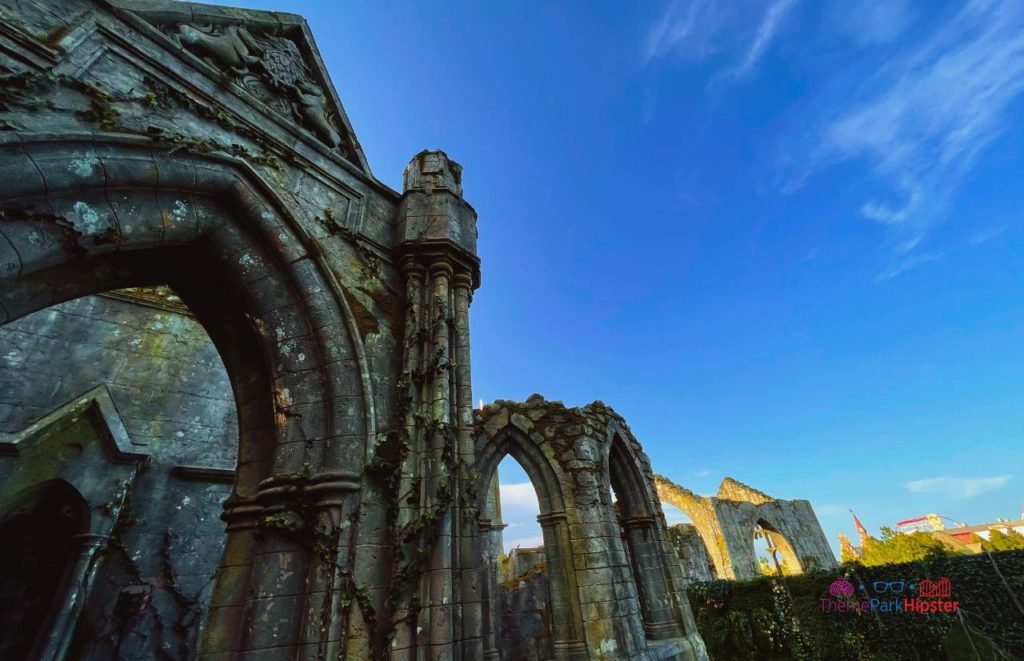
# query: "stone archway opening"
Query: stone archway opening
{"points": [[616, 587], [283, 329], [516, 563], [561, 615], [637, 515], [774, 553], [519, 507]]}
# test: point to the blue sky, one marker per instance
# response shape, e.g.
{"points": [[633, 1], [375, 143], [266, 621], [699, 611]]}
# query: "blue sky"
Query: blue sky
{"points": [[783, 238]]}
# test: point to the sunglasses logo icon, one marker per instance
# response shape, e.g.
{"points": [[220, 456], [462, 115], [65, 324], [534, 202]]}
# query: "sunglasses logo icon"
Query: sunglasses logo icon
{"points": [[894, 587]]}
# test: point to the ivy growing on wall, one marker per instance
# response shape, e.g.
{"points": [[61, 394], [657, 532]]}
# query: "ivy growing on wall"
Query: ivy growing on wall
{"points": [[413, 541], [784, 618]]}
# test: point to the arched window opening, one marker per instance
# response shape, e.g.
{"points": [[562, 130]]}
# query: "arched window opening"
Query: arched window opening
{"points": [[519, 507], [773, 552], [630, 509], [644, 540], [517, 564]]}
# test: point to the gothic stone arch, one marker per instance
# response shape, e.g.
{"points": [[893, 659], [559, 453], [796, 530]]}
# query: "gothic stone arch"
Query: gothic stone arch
{"points": [[204, 148], [603, 606], [702, 513], [727, 523]]}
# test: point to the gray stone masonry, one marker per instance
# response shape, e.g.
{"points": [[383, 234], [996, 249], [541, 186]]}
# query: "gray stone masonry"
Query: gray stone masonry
{"points": [[615, 586], [161, 146], [173, 397]]}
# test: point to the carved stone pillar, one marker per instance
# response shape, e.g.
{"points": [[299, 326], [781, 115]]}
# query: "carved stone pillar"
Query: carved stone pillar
{"points": [[566, 616], [439, 543], [225, 620], [659, 615]]}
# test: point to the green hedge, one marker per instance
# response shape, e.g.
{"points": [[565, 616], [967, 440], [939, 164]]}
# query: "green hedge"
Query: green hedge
{"points": [[772, 618]]}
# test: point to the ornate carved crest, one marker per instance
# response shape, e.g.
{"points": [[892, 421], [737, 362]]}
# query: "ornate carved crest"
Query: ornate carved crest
{"points": [[271, 68]]}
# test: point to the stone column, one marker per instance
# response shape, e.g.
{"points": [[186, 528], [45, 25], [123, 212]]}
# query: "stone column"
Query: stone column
{"points": [[411, 490], [568, 637], [441, 484], [223, 629], [653, 587], [441, 548], [468, 557]]}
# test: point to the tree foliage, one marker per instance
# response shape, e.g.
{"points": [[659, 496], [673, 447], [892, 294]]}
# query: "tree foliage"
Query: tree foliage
{"points": [[847, 554], [1011, 540], [895, 547], [773, 619]]}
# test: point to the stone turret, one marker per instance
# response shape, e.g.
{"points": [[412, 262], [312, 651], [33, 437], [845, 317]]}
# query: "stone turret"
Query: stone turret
{"points": [[433, 218]]}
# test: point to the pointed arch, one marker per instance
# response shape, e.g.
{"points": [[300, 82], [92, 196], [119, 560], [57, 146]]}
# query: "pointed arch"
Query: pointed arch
{"points": [[790, 560], [544, 474], [655, 570]]}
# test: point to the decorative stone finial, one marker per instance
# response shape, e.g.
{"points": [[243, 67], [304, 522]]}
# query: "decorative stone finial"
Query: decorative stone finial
{"points": [[433, 170]]}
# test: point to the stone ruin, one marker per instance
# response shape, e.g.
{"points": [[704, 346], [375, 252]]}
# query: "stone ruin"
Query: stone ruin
{"points": [[609, 573], [720, 541], [210, 306]]}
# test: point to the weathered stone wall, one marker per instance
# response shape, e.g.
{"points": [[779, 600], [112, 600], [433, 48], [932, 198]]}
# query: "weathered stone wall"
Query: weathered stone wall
{"points": [[693, 554], [705, 521], [161, 369], [523, 605], [727, 523], [615, 587], [173, 395], [791, 526], [204, 147]]}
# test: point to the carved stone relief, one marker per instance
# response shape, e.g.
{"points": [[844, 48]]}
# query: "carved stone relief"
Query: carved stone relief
{"points": [[269, 67]]}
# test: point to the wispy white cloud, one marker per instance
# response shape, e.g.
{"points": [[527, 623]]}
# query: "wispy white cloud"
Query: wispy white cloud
{"points": [[519, 510], [704, 472], [518, 496], [986, 235], [929, 116], [961, 487], [683, 26], [766, 31], [696, 29], [901, 263]]}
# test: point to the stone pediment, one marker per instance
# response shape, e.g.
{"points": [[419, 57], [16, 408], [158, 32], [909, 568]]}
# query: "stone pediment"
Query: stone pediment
{"points": [[270, 56], [98, 412], [83, 443]]}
